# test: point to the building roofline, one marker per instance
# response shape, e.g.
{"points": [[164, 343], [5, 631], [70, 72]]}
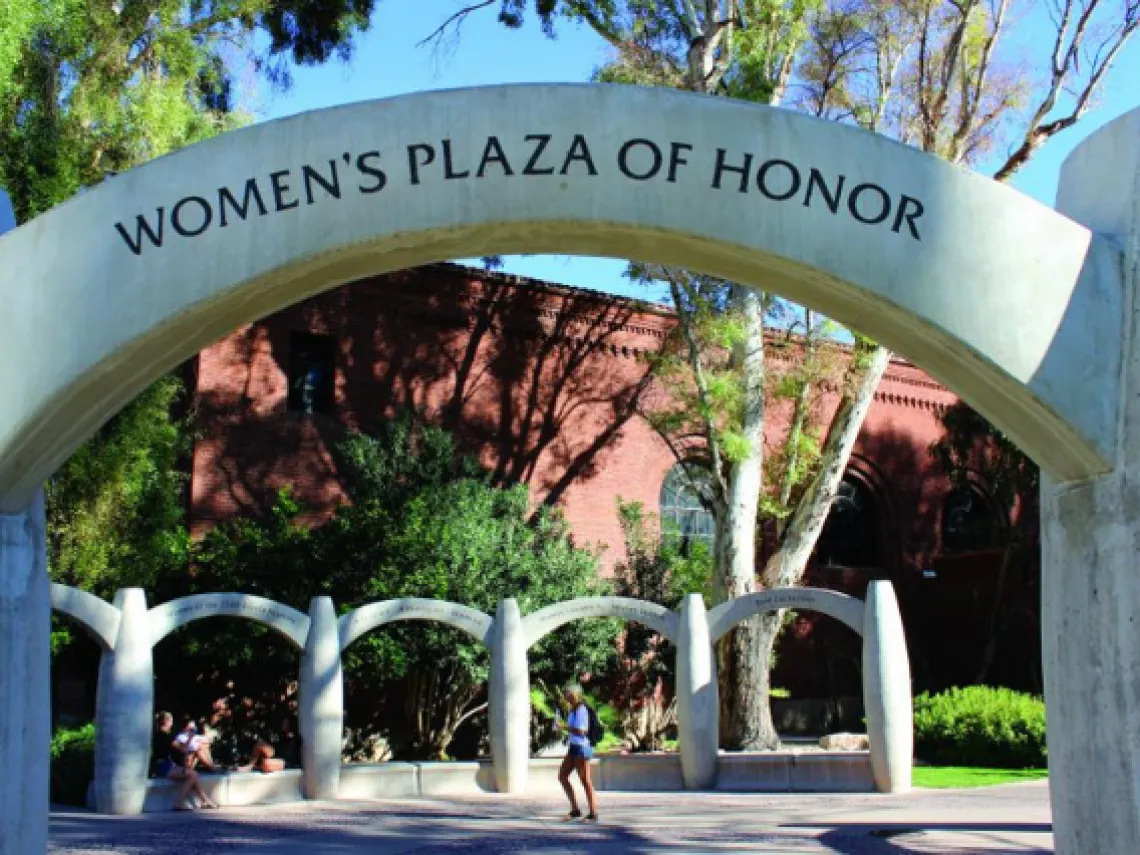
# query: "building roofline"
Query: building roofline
{"points": [[563, 290]]}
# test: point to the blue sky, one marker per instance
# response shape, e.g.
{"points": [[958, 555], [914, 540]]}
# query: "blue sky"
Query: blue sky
{"points": [[389, 62]]}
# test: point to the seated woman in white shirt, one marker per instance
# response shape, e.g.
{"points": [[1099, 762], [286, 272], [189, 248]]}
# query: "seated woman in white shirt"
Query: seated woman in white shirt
{"points": [[578, 752]]}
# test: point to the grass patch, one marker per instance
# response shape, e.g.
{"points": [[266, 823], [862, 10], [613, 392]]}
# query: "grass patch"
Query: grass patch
{"points": [[959, 777]]}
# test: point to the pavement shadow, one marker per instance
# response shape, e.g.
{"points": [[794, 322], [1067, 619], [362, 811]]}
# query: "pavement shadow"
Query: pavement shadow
{"points": [[423, 832]]}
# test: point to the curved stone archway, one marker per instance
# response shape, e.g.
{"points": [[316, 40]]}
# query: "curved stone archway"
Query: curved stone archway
{"points": [[845, 609], [886, 665], [356, 623], [107, 291], [923, 256], [547, 619], [97, 617], [286, 621]]}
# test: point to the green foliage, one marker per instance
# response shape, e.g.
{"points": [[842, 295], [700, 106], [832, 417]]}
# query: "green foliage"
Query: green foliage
{"points": [[115, 508], [658, 568], [72, 764], [422, 521], [981, 726], [89, 88]]}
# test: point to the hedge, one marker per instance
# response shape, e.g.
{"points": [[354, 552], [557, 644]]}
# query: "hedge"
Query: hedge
{"points": [[980, 726], [72, 764]]}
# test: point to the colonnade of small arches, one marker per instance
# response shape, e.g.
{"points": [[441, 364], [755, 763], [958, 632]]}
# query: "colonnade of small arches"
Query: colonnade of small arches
{"points": [[127, 631]]}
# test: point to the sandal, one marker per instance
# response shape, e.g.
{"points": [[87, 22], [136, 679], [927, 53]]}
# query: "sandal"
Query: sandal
{"points": [[574, 814], [591, 817]]}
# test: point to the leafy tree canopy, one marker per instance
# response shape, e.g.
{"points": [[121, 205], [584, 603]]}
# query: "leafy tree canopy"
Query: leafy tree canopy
{"points": [[423, 521]]}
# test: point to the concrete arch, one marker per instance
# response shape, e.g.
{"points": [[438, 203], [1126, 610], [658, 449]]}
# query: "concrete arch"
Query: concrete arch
{"points": [[99, 618], [108, 290], [546, 620], [845, 609], [367, 618], [286, 621]]}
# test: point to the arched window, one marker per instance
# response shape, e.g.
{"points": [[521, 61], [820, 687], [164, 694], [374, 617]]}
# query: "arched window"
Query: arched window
{"points": [[850, 537], [686, 503], [969, 523]]}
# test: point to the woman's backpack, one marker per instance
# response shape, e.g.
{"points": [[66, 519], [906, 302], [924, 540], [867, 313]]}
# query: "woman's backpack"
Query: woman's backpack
{"points": [[594, 731]]}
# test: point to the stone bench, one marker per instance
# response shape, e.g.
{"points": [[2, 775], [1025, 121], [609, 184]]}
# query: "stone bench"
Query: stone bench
{"points": [[809, 771], [233, 789], [796, 771]]}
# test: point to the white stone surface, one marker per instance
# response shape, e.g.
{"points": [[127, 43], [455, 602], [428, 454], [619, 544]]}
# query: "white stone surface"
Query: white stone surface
{"points": [[88, 321], [321, 709], [233, 789], [640, 773], [97, 617], [509, 700], [818, 772], [454, 779], [392, 780], [1090, 577], [766, 772], [549, 618], [796, 771], [886, 690], [124, 711], [25, 665], [287, 621], [843, 608], [698, 718], [367, 618]]}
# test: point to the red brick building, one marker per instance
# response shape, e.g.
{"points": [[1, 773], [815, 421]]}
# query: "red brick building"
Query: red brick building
{"points": [[542, 382]]}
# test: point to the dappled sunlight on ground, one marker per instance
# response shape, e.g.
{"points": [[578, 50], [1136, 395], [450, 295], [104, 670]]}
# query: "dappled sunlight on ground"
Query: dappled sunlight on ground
{"points": [[1010, 819]]}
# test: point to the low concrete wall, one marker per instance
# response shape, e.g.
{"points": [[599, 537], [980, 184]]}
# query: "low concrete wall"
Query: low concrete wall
{"points": [[233, 789], [809, 771], [796, 771]]}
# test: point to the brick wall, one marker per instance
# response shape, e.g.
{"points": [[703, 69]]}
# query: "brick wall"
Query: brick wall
{"points": [[539, 382]]}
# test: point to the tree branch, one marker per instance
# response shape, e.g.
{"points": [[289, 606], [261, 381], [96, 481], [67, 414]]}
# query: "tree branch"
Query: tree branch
{"points": [[1039, 131], [454, 20], [697, 365], [469, 713]]}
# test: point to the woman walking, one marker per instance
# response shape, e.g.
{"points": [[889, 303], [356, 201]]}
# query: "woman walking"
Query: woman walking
{"points": [[579, 751]]}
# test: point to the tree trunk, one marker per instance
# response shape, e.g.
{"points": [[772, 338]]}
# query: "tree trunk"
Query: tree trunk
{"points": [[742, 696], [786, 566]]}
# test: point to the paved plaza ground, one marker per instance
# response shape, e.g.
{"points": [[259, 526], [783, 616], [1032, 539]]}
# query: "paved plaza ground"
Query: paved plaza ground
{"points": [[1006, 819]]}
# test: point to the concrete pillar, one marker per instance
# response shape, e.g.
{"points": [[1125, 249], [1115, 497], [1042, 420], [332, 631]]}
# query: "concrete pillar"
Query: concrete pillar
{"points": [[1091, 553], [124, 711], [509, 700], [322, 703], [25, 685], [886, 690], [698, 713]]}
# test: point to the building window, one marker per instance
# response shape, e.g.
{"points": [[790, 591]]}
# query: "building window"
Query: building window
{"points": [[686, 504], [312, 373], [968, 522], [850, 537]]}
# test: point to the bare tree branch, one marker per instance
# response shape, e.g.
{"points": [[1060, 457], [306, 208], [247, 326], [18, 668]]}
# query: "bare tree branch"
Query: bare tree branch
{"points": [[454, 21], [1066, 61]]}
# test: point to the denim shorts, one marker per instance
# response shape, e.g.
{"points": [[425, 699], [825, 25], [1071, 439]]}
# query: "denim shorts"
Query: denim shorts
{"points": [[586, 751]]}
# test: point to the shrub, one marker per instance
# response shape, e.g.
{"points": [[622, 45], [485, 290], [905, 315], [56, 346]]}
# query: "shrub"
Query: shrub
{"points": [[72, 764], [980, 726]]}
